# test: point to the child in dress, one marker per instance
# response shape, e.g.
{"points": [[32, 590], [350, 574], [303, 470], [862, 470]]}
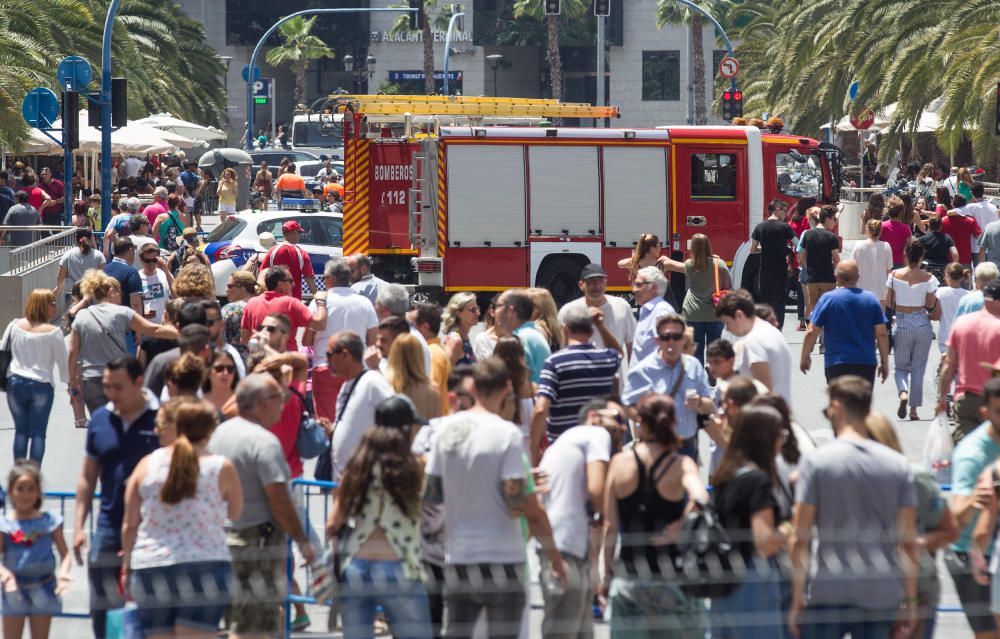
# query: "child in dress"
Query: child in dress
{"points": [[31, 589]]}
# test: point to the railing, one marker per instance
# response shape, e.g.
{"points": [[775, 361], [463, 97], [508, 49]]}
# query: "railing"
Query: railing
{"points": [[52, 243]]}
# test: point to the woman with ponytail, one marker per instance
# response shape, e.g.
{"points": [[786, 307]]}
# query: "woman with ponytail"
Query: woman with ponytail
{"points": [[173, 536]]}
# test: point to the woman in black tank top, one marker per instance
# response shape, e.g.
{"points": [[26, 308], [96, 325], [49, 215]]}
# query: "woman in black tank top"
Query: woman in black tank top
{"points": [[651, 487]]}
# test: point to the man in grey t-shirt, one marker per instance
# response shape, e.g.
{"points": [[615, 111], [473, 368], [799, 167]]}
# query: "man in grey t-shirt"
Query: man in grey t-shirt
{"points": [[861, 498], [77, 261], [989, 243], [257, 538], [21, 214]]}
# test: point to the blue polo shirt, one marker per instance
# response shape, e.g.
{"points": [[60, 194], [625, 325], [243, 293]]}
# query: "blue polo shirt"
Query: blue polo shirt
{"points": [[127, 277], [536, 348], [571, 377], [652, 375], [848, 317], [118, 447]]}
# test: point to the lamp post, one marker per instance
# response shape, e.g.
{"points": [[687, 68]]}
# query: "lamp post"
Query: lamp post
{"points": [[260, 45], [495, 60], [455, 17], [356, 76], [109, 22]]}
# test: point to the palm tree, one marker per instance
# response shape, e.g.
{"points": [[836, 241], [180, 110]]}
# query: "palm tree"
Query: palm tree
{"points": [[571, 10], [299, 47], [438, 20]]}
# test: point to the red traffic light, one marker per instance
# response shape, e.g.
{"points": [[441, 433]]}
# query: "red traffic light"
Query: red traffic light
{"points": [[738, 95], [727, 95]]}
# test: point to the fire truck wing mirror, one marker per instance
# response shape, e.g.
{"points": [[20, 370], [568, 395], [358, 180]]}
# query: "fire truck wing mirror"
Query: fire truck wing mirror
{"points": [[798, 157]]}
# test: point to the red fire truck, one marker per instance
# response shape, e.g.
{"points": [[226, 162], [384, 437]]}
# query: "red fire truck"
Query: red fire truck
{"points": [[483, 207]]}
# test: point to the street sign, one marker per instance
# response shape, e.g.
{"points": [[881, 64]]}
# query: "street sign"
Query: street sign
{"points": [[74, 73], [863, 121], [246, 73], [40, 108], [729, 67], [852, 91], [262, 91]]}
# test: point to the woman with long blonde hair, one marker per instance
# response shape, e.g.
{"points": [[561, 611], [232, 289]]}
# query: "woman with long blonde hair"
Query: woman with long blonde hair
{"points": [[457, 319], [964, 183], [546, 317], [407, 374], [698, 309]]}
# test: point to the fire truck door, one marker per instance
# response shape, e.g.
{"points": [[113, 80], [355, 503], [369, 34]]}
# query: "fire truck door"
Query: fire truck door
{"points": [[709, 183]]}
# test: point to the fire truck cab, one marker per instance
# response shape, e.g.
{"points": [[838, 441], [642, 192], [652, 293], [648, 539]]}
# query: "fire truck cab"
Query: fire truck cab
{"points": [[493, 207]]}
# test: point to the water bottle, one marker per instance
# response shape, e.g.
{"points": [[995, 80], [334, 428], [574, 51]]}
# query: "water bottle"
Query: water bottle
{"points": [[254, 344]]}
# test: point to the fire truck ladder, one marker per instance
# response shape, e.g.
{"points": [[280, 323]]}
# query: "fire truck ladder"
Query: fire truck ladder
{"points": [[399, 105]]}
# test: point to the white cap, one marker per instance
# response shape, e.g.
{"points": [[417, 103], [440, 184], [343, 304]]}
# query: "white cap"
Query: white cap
{"points": [[264, 242]]}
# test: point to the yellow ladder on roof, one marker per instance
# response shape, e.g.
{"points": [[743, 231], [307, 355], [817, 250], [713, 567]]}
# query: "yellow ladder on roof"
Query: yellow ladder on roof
{"points": [[472, 106]]}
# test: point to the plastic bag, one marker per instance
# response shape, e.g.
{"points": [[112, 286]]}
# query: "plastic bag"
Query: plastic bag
{"points": [[937, 450], [123, 623]]}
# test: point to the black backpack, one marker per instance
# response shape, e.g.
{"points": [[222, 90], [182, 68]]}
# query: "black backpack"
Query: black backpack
{"points": [[171, 232]]}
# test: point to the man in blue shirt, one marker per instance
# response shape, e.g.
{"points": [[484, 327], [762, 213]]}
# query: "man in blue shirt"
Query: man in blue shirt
{"points": [[681, 377], [130, 281], [513, 312], [648, 286], [852, 321], [119, 435]]}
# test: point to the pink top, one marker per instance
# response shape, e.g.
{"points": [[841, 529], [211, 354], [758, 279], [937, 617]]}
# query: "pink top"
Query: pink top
{"points": [[153, 211], [894, 233], [193, 530], [974, 337]]}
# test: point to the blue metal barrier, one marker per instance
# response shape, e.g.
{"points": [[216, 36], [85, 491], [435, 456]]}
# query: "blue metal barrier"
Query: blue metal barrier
{"points": [[309, 488]]}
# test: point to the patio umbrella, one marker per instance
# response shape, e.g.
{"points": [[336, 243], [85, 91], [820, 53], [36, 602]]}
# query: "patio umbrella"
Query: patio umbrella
{"points": [[191, 130]]}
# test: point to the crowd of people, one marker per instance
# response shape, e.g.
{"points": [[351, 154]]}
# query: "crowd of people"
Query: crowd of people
{"points": [[572, 433]]}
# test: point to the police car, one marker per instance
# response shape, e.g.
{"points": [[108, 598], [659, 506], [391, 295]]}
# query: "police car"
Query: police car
{"points": [[229, 245]]}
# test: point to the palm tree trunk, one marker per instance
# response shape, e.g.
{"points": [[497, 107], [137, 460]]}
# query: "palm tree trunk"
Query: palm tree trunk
{"points": [[553, 57], [300, 81], [427, 37], [698, 51]]}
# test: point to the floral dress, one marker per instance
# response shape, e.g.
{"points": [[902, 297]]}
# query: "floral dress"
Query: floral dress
{"points": [[232, 316]]}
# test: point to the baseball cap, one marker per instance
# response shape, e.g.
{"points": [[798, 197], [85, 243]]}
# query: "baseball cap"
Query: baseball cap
{"points": [[991, 292], [398, 411], [290, 226], [189, 232], [592, 270]]}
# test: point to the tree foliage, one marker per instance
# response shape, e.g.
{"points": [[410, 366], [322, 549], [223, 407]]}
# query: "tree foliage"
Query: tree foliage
{"points": [[298, 47], [799, 58], [163, 54]]}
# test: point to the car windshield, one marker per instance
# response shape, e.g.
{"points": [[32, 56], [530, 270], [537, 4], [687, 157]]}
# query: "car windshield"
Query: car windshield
{"points": [[226, 230], [799, 179], [315, 134]]}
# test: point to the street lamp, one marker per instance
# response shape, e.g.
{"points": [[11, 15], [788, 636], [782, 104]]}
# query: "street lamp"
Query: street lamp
{"points": [[226, 60], [495, 60], [356, 76]]}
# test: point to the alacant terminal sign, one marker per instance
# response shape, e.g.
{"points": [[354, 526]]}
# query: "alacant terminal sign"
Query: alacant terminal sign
{"points": [[407, 37]]}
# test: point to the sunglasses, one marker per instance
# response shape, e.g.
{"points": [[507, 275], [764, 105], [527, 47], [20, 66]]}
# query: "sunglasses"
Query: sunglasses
{"points": [[670, 337], [149, 260], [330, 354], [224, 368], [269, 329]]}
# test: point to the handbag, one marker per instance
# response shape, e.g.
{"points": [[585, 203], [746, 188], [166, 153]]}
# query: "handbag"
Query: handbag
{"points": [[311, 441], [5, 356], [719, 293], [111, 337]]}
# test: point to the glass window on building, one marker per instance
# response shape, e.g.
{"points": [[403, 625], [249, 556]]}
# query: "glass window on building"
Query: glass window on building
{"points": [[713, 176], [798, 177], [661, 75]]}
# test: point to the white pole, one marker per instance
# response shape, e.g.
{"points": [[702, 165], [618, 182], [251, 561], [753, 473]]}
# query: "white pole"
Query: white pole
{"points": [[690, 78], [861, 160], [601, 25], [274, 108]]}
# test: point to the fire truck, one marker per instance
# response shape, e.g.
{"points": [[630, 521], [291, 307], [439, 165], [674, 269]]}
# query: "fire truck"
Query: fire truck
{"points": [[464, 194]]}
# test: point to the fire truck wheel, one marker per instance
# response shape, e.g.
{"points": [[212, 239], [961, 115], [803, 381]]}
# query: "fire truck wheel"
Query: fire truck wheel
{"points": [[561, 276]]}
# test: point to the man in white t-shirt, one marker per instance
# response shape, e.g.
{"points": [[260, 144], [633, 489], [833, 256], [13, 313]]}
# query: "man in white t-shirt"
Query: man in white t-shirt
{"points": [[477, 470], [617, 330], [575, 466], [345, 311], [761, 351], [132, 166], [140, 237], [982, 210], [357, 399], [156, 283]]}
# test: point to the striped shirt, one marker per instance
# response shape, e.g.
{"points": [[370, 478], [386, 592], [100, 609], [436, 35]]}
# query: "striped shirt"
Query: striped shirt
{"points": [[572, 376]]}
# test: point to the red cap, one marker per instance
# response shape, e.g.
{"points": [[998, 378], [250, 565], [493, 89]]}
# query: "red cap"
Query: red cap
{"points": [[290, 226]]}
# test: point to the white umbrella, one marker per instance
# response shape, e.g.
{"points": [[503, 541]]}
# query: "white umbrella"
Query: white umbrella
{"points": [[192, 130], [37, 143], [139, 140]]}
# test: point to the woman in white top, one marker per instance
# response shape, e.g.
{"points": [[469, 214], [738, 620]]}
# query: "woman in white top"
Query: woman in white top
{"points": [[948, 297], [911, 295], [874, 258], [36, 347], [173, 536]]}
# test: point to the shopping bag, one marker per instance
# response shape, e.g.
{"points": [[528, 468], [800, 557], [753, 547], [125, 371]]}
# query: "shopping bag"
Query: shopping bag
{"points": [[123, 623], [937, 450]]}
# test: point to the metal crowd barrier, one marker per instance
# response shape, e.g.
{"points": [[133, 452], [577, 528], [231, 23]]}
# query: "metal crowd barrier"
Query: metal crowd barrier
{"points": [[48, 243]]}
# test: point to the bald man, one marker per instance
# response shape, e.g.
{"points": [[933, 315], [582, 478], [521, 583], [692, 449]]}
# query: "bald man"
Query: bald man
{"points": [[852, 323]]}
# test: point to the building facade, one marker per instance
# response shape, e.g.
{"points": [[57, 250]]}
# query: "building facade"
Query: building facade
{"points": [[648, 69]]}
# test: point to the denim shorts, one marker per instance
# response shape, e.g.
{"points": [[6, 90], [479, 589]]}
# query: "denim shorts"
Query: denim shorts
{"points": [[194, 595], [31, 598]]}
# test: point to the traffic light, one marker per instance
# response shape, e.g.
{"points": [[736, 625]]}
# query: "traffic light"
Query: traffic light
{"points": [[998, 109], [552, 7], [71, 119], [602, 8], [737, 104], [460, 22], [727, 105], [94, 110], [119, 102], [416, 17]]}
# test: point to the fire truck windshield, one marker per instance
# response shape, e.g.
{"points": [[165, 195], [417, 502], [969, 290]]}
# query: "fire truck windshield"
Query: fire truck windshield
{"points": [[799, 175]]}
